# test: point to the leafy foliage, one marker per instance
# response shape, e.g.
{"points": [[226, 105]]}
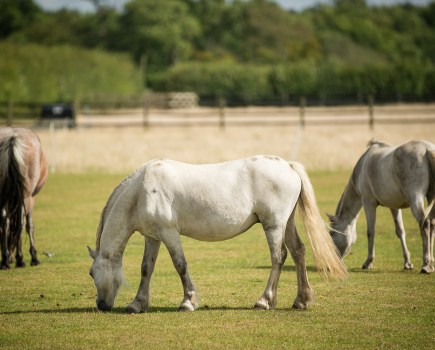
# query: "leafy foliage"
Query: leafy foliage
{"points": [[249, 48], [40, 73]]}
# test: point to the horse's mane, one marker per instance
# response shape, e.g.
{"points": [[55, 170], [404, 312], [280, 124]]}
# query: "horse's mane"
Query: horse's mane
{"points": [[109, 205], [379, 143]]}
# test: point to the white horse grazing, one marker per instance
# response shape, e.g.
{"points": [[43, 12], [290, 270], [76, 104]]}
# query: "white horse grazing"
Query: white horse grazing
{"points": [[165, 199], [393, 177]]}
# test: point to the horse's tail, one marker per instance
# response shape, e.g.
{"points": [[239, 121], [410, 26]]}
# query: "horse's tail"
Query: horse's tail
{"points": [[12, 187], [324, 251], [430, 154]]}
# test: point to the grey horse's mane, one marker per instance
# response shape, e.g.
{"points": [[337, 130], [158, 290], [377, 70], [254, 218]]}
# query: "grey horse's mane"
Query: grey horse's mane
{"points": [[379, 143], [109, 205]]}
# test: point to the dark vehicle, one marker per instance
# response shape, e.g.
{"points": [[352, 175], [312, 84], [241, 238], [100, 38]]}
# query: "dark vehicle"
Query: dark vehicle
{"points": [[60, 113]]}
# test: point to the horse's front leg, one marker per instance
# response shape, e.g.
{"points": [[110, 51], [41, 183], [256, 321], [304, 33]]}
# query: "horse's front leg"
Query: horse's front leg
{"points": [[400, 232], [294, 243], [142, 300], [173, 244], [278, 254], [370, 211]]}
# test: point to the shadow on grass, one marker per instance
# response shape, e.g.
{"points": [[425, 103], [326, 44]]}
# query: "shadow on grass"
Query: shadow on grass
{"points": [[122, 310], [373, 271], [289, 268]]}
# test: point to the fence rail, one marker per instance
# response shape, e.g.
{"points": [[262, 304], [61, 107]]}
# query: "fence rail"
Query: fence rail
{"points": [[142, 114]]}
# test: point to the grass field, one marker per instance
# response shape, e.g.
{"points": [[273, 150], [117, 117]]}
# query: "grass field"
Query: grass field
{"points": [[53, 305]]}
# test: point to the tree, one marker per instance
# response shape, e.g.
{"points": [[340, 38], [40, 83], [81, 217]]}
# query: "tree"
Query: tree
{"points": [[162, 30], [15, 15], [261, 31]]}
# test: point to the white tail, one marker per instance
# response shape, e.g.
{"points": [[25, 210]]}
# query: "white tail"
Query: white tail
{"points": [[324, 251]]}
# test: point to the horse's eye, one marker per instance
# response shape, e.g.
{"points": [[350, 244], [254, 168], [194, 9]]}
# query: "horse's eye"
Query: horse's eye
{"points": [[91, 274]]}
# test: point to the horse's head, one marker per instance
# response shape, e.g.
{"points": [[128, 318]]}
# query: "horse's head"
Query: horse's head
{"points": [[343, 234], [107, 274]]}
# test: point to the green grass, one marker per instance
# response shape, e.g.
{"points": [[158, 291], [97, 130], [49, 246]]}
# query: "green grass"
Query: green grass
{"points": [[53, 305]]}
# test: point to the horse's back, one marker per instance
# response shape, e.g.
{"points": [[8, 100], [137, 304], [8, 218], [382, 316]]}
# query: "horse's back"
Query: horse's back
{"points": [[394, 175], [243, 173]]}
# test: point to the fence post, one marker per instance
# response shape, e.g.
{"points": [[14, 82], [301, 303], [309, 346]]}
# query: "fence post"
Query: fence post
{"points": [[303, 103], [222, 104], [145, 107], [76, 111], [52, 129], [10, 112], [371, 112]]}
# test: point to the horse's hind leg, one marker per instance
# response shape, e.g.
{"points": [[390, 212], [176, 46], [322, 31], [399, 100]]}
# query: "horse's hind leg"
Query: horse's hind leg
{"points": [[417, 208], [4, 242], [141, 302], [432, 237], [19, 261], [293, 242], [400, 232], [172, 241], [278, 254], [30, 228]]}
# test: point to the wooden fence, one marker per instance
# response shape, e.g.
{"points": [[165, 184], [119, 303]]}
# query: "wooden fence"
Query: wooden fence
{"points": [[140, 113]]}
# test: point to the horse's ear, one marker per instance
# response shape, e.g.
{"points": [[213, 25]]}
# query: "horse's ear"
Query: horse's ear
{"points": [[92, 253], [332, 218]]}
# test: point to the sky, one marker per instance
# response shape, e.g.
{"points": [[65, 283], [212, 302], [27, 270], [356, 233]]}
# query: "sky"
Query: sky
{"points": [[86, 5]]}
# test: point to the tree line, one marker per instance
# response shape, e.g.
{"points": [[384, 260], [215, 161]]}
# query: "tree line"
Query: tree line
{"points": [[247, 50]]}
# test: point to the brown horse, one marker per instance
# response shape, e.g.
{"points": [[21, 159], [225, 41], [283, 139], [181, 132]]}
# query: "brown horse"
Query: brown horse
{"points": [[23, 172]]}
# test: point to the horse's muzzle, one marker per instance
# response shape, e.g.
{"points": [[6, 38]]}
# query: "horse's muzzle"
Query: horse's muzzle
{"points": [[101, 305]]}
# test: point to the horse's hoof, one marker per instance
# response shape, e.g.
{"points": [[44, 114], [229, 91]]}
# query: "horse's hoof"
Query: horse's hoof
{"points": [[408, 266], [426, 270], [34, 262], [136, 307], [20, 264], [261, 305], [297, 305], [367, 266], [131, 309], [187, 306], [5, 267]]}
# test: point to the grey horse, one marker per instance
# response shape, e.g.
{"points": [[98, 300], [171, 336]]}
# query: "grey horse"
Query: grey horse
{"points": [[395, 177]]}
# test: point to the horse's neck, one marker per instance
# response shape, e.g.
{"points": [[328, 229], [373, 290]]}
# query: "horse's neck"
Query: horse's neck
{"points": [[114, 238], [349, 205], [115, 227]]}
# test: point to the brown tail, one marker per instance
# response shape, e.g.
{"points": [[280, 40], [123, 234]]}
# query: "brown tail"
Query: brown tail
{"points": [[12, 187]]}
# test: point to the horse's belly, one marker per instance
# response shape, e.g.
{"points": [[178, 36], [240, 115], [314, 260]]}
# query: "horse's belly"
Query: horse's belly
{"points": [[217, 229], [393, 200]]}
